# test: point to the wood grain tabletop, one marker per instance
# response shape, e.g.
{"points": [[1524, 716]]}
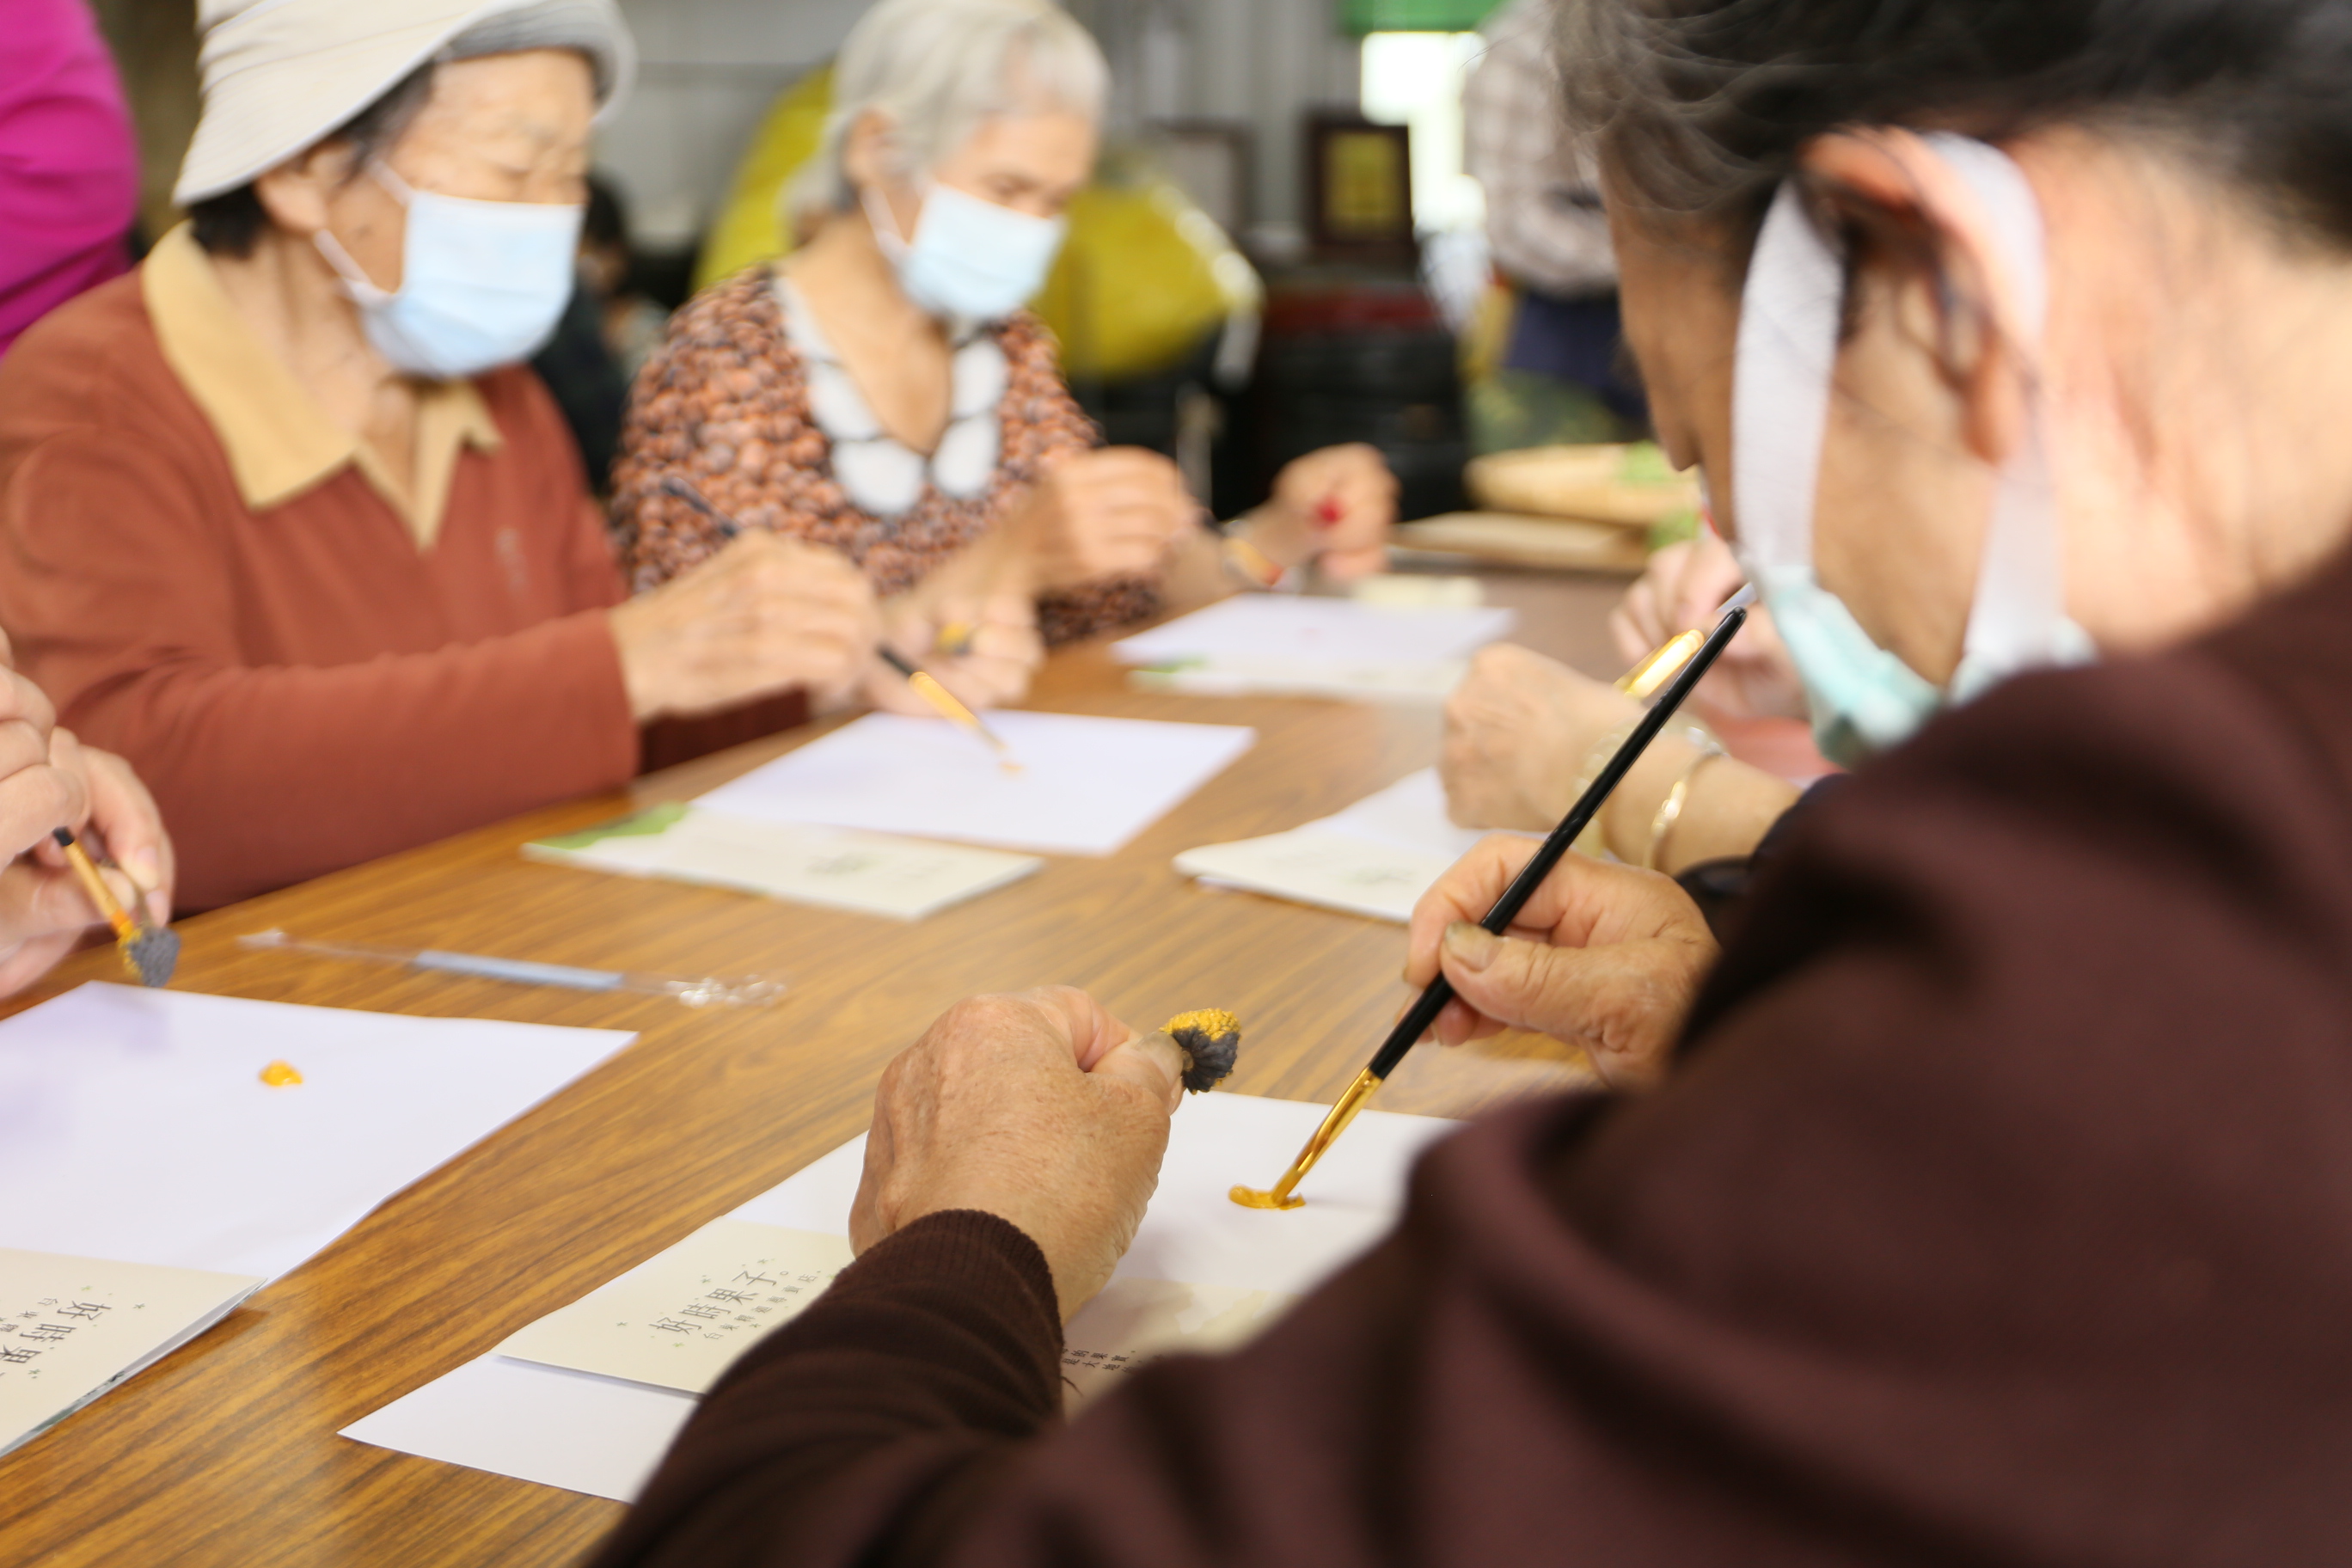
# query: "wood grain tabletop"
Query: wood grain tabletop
{"points": [[227, 1452]]}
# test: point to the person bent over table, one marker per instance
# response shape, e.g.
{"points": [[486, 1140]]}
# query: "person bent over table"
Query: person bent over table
{"points": [[1995, 1206], [884, 392], [281, 518]]}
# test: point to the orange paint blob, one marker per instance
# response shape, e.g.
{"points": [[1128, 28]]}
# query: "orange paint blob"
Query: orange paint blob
{"points": [[280, 1075]]}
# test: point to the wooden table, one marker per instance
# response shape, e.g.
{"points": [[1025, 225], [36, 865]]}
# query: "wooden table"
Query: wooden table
{"points": [[227, 1452]]}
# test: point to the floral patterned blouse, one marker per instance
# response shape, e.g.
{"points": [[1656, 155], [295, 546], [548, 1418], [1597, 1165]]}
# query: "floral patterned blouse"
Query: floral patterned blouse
{"points": [[724, 404]]}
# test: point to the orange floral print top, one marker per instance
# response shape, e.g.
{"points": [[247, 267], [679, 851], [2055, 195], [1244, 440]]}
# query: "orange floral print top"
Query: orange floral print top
{"points": [[724, 404]]}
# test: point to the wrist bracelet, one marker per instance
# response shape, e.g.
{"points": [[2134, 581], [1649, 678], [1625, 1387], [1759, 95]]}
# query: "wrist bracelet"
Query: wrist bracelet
{"points": [[1670, 811]]}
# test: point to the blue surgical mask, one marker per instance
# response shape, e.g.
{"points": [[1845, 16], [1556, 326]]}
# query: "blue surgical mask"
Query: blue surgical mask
{"points": [[1864, 698], [969, 259], [482, 284]]}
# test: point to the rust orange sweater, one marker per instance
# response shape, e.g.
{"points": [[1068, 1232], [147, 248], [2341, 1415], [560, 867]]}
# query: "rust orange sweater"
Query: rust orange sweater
{"points": [[314, 682]]}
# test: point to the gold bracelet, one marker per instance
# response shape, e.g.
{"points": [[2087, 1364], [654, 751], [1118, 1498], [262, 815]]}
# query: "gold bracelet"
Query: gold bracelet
{"points": [[1670, 811]]}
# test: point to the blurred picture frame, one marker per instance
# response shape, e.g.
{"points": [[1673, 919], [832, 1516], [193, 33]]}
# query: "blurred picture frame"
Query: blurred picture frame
{"points": [[1360, 186]]}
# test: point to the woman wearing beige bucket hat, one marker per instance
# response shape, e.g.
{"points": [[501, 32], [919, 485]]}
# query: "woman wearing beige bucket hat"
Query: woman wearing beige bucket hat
{"points": [[282, 520]]}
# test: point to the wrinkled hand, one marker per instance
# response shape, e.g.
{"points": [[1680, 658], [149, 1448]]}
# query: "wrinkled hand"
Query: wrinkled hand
{"points": [[1603, 956], [1111, 513], [1000, 658], [765, 614], [1684, 590], [1039, 1108], [1336, 506], [1517, 730]]}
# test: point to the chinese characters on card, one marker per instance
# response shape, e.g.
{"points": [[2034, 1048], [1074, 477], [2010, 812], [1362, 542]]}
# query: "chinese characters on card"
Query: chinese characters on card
{"points": [[681, 1317]]}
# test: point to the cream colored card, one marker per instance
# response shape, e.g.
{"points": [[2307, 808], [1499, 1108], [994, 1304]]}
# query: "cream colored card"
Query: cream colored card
{"points": [[832, 867], [1330, 870], [1135, 1321], [72, 1327], [680, 1318], [1376, 859]]}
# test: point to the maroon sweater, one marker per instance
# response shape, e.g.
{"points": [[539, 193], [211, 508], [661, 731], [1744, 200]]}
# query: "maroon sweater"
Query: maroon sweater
{"points": [[1999, 1212]]}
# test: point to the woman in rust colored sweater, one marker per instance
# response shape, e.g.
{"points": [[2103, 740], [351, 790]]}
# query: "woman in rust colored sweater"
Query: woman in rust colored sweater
{"points": [[283, 521], [883, 392], [1994, 1208]]}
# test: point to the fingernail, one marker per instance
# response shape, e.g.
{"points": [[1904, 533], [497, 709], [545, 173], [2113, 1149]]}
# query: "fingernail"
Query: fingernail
{"points": [[1471, 946], [145, 869]]}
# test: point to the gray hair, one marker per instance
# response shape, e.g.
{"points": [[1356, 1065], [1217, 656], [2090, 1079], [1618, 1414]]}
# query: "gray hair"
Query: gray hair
{"points": [[937, 68], [1702, 106]]}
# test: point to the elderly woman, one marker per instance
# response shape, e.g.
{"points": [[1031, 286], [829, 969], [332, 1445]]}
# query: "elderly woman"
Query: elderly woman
{"points": [[884, 392], [282, 520], [1993, 1209]]}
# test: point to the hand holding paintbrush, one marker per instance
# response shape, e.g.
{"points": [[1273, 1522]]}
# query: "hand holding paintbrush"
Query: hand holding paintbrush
{"points": [[921, 682], [1423, 1015]]}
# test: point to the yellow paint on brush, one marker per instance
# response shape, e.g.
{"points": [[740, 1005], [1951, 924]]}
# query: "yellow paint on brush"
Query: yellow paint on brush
{"points": [[1211, 1021]]}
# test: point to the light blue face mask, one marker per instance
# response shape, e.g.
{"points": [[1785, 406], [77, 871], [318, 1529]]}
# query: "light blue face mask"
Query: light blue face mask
{"points": [[970, 261], [482, 284], [1866, 700]]}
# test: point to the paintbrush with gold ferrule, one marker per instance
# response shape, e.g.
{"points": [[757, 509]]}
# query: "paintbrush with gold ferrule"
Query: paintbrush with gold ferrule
{"points": [[1422, 1016], [150, 952], [926, 685]]}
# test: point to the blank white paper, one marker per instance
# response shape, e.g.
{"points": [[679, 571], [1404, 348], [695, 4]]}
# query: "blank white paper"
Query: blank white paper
{"points": [[1376, 859], [603, 1438], [1286, 630], [1087, 785], [135, 1124], [568, 1429]]}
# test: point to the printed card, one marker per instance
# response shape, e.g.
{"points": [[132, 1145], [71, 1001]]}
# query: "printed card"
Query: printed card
{"points": [[680, 1318], [72, 1327]]}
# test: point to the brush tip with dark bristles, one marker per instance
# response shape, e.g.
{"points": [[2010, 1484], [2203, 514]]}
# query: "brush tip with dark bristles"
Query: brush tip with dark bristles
{"points": [[1212, 1042], [152, 955]]}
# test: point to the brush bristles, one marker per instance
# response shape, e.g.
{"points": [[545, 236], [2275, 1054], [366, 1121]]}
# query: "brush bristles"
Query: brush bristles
{"points": [[153, 955], [1212, 1042]]}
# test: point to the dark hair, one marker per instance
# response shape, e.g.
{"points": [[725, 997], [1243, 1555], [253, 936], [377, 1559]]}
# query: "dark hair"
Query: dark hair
{"points": [[232, 223], [607, 219], [1702, 106]]}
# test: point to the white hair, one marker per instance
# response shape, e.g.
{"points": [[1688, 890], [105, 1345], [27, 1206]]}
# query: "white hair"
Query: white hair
{"points": [[936, 70]]}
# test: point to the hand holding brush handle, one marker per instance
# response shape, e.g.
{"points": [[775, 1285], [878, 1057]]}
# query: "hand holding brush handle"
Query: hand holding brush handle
{"points": [[1422, 1016]]}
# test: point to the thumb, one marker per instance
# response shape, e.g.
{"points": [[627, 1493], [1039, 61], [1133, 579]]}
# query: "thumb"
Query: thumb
{"points": [[1153, 1064], [1525, 985]]}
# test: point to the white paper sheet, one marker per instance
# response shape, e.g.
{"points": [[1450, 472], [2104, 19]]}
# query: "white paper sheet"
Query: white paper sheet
{"points": [[593, 1435], [72, 1327], [1286, 629], [135, 1124], [831, 868], [1086, 786], [604, 1437], [1375, 859]]}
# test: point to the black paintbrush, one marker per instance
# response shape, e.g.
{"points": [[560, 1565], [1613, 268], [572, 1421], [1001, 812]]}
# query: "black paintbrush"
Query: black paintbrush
{"points": [[1424, 1013]]}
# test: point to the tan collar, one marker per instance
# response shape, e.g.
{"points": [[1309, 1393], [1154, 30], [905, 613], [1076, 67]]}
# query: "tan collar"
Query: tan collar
{"points": [[278, 442]]}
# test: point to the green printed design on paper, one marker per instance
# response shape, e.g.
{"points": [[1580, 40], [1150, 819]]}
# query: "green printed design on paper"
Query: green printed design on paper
{"points": [[650, 824]]}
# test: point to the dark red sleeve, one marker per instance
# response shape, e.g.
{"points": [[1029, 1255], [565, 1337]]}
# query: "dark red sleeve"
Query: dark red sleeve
{"points": [[869, 1423], [1996, 1213], [125, 610]]}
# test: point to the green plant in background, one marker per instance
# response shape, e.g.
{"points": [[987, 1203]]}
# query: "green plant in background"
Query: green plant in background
{"points": [[1362, 16]]}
